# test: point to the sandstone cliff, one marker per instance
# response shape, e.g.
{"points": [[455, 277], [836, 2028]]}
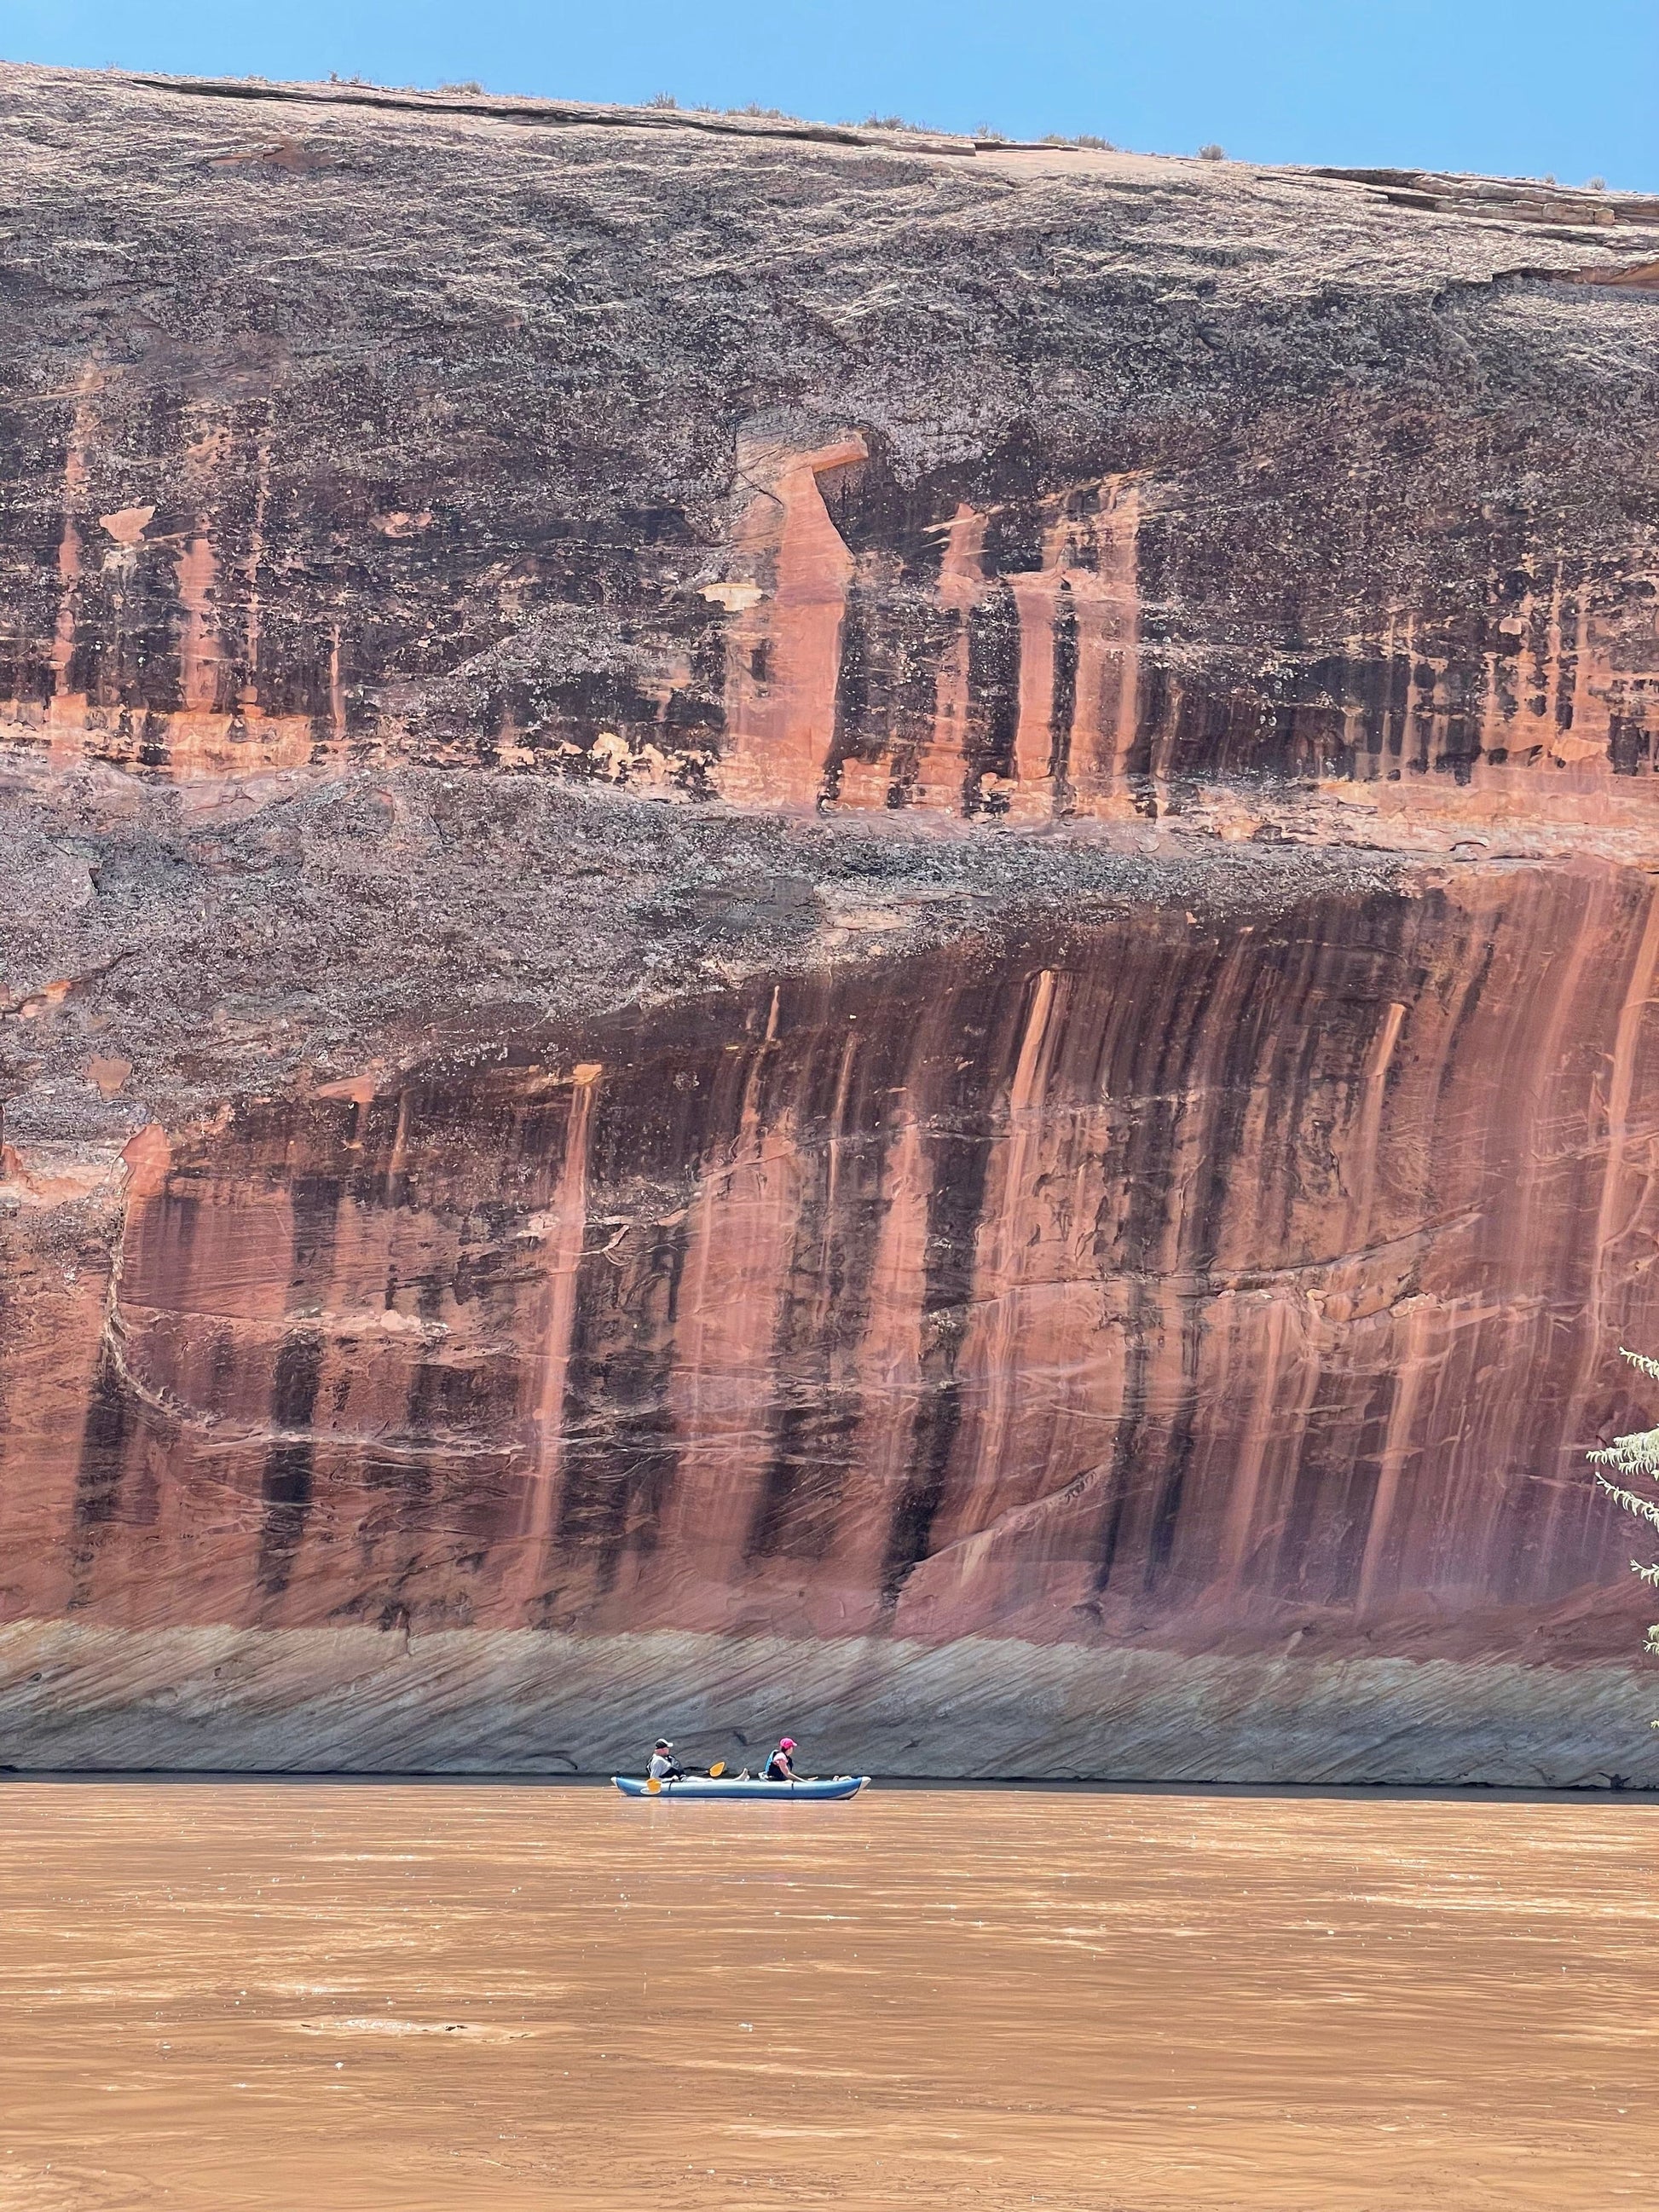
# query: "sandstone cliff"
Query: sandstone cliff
{"points": [[815, 925]]}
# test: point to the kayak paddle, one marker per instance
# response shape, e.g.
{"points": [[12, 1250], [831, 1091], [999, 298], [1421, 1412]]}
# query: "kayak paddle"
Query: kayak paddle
{"points": [[654, 1784]]}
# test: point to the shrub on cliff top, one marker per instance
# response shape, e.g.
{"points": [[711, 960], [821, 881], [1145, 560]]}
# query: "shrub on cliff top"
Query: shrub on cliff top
{"points": [[1633, 1459]]}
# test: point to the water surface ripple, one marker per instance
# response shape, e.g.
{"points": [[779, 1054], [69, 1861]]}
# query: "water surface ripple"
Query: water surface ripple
{"points": [[367, 1997]]}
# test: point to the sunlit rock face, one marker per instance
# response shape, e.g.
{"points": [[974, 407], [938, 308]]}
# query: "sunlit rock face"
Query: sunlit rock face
{"points": [[1140, 1281], [816, 930], [1145, 1286], [858, 472]]}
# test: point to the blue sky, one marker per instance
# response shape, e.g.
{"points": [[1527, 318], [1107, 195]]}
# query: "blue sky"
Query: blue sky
{"points": [[1508, 87]]}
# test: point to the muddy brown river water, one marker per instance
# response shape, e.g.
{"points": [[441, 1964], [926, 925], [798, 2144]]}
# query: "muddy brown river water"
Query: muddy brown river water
{"points": [[402, 1997]]}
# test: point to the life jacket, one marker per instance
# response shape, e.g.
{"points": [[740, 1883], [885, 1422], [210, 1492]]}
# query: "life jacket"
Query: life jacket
{"points": [[777, 1769]]}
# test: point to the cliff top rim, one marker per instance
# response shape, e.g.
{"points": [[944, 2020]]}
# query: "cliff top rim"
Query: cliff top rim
{"points": [[1535, 200]]}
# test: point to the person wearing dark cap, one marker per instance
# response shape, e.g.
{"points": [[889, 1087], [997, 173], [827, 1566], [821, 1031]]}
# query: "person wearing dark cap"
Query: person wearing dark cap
{"points": [[664, 1767]]}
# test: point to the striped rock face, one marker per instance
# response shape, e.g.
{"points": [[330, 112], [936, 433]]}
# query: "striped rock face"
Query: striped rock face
{"points": [[817, 929]]}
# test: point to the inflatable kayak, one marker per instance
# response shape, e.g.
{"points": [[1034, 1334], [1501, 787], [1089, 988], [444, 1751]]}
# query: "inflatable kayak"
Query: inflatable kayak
{"points": [[697, 1785]]}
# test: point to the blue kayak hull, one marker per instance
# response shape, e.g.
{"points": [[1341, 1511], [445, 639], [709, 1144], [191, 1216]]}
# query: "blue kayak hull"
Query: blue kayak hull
{"points": [[697, 1785]]}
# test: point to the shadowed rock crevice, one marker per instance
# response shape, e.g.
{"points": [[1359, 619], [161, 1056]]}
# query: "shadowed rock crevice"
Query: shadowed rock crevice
{"points": [[286, 1486]]}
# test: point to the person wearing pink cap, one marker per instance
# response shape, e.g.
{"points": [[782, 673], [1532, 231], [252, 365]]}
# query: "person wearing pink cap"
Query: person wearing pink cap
{"points": [[781, 1767]]}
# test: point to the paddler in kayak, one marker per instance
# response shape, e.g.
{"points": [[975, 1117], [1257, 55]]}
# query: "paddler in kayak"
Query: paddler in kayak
{"points": [[664, 1767], [781, 1767]]}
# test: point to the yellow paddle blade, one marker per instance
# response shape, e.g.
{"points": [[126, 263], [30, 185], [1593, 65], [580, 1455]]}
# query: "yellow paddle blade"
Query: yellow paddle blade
{"points": [[654, 1786], [717, 1770]]}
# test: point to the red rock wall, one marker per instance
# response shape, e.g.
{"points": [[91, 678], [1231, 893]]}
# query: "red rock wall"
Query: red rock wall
{"points": [[982, 657], [1024, 690], [1151, 1282], [1161, 1328]]}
